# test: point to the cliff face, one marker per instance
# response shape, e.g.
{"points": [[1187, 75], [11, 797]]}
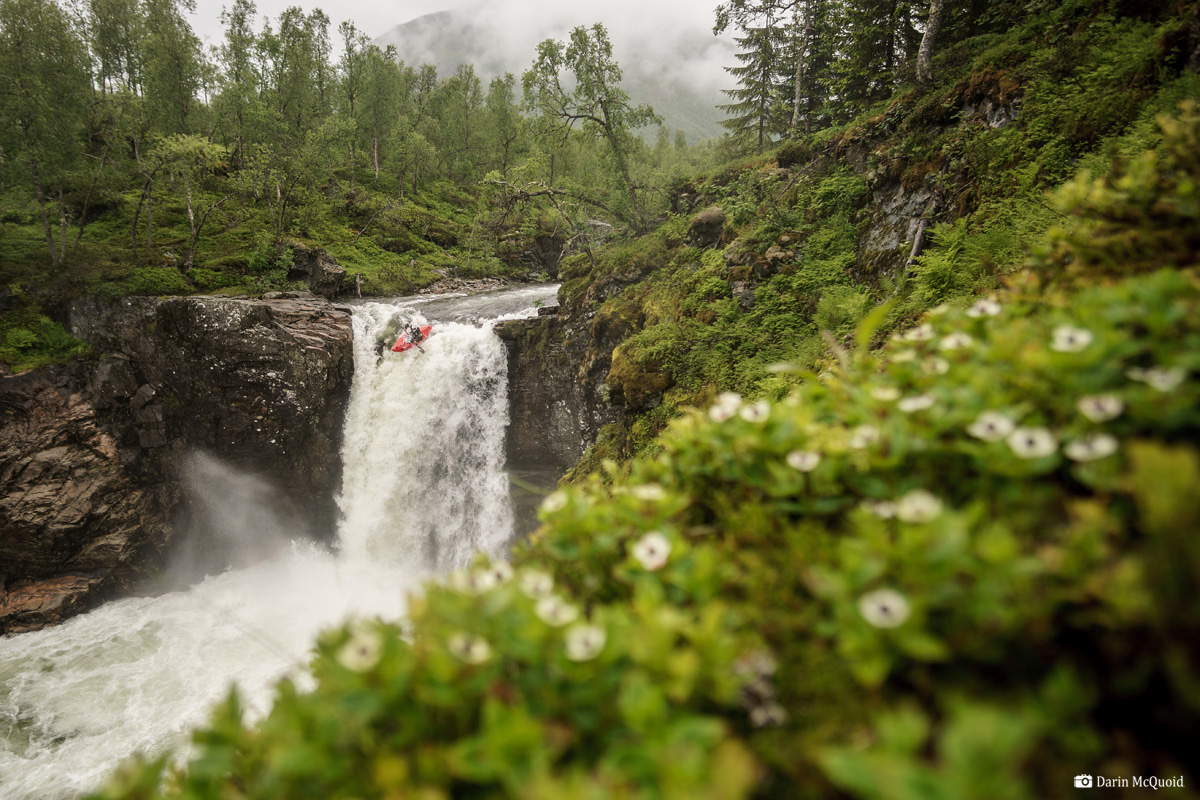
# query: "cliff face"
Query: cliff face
{"points": [[90, 456], [75, 527], [557, 366]]}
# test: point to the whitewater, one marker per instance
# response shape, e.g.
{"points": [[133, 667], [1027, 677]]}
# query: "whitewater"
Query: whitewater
{"points": [[424, 489]]}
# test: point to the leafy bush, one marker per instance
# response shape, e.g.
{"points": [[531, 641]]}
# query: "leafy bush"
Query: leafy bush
{"points": [[1144, 216], [29, 339], [157, 281], [208, 280]]}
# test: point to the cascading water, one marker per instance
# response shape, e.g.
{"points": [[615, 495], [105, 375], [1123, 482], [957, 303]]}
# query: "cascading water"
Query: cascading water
{"points": [[423, 489], [433, 417]]}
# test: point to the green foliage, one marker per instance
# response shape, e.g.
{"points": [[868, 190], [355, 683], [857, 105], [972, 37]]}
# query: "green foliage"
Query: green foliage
{"points": [[30, 339], [947, 543], [157, 281], [1144, 216]]}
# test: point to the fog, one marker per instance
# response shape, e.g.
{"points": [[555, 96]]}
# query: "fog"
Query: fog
{"points": [[673, 37]]}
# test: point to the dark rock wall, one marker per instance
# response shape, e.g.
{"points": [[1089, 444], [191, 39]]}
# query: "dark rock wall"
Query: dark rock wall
{"points": [[90, 456], [74, 527]]}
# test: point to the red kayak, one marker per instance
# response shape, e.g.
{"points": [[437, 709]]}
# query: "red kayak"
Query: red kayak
{"points": [[403, 343]]}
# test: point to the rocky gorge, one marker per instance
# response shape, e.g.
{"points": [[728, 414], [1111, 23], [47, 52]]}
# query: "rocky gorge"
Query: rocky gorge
{"points": [[91, 453]]}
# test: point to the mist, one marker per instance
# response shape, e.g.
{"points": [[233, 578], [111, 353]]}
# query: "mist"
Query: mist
{"points": [[665, 43], [667, 39], [230, 519]]}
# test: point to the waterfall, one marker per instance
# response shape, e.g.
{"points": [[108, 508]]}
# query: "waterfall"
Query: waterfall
{"points": [[424, 488], [423, 457]]}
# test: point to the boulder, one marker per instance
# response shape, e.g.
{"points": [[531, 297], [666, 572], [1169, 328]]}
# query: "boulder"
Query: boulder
{"points": [[318, 269], [707, 227]]}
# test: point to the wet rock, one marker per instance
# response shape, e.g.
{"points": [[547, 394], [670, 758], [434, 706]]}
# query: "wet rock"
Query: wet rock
{"points": [[75, 529], [559, 400], [896, 215], [318, 269], [707, 227], [996, 115]]}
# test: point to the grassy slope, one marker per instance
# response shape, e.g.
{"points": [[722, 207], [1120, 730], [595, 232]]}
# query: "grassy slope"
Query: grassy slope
{"points": [[436, 231], [1086, 93]]}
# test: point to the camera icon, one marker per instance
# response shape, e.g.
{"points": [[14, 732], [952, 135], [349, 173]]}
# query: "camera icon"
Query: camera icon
{"points": [[1083, 781]]}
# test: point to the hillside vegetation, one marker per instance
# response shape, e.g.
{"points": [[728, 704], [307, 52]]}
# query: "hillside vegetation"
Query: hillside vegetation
{"points": [[886, 526]]}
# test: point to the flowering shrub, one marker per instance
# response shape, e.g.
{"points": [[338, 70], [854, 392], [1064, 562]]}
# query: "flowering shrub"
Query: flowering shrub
{"points": [[980, 531]]}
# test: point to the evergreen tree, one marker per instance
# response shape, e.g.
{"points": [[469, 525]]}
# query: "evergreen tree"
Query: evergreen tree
{"points": [[757, 110]]}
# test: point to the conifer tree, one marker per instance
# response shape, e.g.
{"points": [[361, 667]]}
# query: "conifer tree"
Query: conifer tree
{"points": [[757, 108]]}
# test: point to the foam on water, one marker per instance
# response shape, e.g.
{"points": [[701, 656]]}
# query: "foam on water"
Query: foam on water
{"points": [[424, 478], [135, 675]]}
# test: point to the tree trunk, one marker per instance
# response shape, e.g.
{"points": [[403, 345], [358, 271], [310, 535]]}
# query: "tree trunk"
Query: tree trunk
{"points": [[801, 68], [44, 213], [63, 223], [925, 54], [1193, 42]]}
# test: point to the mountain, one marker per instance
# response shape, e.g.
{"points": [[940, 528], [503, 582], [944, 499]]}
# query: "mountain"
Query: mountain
{"points": [[676, 68]]}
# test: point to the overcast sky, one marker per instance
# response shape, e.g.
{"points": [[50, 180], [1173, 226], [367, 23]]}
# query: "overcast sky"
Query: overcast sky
{"points": [[374, 17]]}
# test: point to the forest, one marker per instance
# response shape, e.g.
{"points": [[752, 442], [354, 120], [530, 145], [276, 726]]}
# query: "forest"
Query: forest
{"points": [[902, 506]]}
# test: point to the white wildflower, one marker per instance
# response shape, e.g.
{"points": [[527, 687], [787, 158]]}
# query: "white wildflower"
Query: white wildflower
{"points": [[771, 715], [472, 581], [863, 436], [804, 460], [555, 501], [1032, 442], [757, 411], [584, 642], [885, 394], [535, 583], [1091, 447], [1068, 339], [991, 426], [1100, 407], [758, 664], [922, 333], [362, 651], [650, 492], [983, 308], [652, 551], [726, 406], [1162, 379], [936, 365], [501, 572], [918, 402], [884, 509], [469, 648], [918, 506], [553, 610], [904, 356], [884, 608], [956, 341]]}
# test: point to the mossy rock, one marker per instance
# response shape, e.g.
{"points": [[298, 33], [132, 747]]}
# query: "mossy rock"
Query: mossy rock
{"points": [[635, 383]]}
